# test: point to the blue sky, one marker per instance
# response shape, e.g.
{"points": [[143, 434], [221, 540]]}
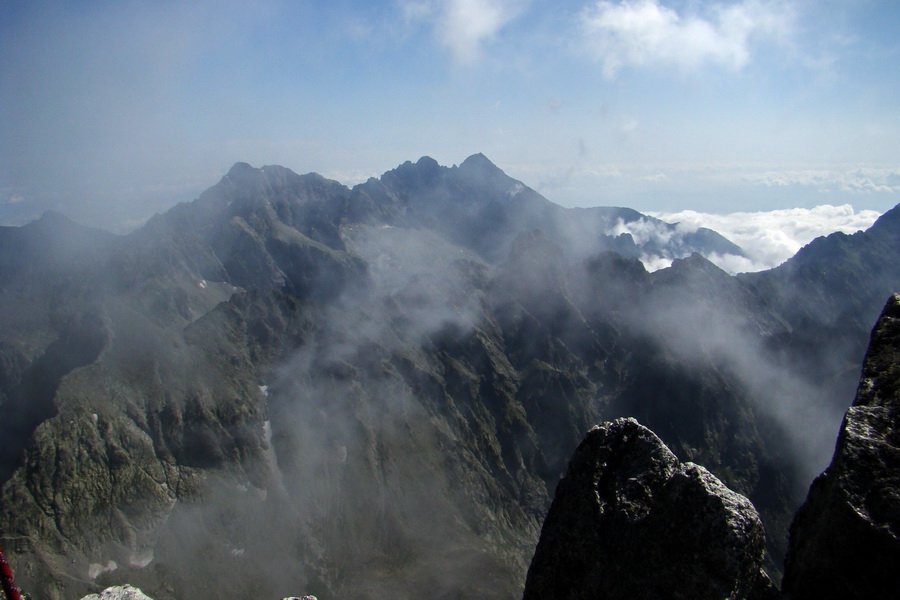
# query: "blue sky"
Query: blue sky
{"points": [[111, 111]]}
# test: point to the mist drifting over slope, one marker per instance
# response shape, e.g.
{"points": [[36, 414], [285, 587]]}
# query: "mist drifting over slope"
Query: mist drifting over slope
{"points": [[366, 382], [370, 391]]}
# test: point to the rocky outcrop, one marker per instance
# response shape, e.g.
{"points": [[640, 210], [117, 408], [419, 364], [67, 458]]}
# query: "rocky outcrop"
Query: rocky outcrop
{"points": [[127, 592], [845, 540], [119, 592], [630, 520]]}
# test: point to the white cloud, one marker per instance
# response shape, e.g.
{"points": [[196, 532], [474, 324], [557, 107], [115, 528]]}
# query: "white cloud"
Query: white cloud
{"points": [[628, 126], [12, 198], [860, 180], [654, 262], [462, 26], [643, 231], [416, 10], [734, 263], [715, 187], [769, 238], [655, 178], [645, 33], [351, 177]]}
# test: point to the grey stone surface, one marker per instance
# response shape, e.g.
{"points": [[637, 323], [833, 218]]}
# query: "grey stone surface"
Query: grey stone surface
{"points": [[119, 592], [631, 521]]}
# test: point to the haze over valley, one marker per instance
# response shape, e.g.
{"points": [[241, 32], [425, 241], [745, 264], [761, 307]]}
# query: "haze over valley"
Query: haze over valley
{"points": [[290, 384], [413, 298]]}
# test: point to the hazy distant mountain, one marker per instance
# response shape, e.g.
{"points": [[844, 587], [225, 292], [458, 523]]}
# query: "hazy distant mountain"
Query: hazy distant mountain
{"points": [[291, 385], [476, 205]]}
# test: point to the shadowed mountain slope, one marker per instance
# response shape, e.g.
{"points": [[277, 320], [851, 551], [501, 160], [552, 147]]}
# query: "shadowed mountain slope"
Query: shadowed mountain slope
{"points": [[288, 384]]}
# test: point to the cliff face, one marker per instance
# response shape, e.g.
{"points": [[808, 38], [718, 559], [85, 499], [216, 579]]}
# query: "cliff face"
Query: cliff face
{"points": [[845, 540], [630, 520]]}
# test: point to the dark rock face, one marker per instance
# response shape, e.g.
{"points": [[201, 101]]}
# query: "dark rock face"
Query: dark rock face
{"points": [[845, 540], [631, 521]]}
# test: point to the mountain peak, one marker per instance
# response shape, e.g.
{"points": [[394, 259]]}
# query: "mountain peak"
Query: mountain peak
{"points": [[880, 382], [696, 261], [424, 172], [478, 158], [54, 218], [427, 162], [59, 225], [889, 221], [479, 163], [477, 170], [240, 169], [242, 174]]}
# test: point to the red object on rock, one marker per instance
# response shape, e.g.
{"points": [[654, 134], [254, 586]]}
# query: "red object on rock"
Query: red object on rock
{"points": [[9, 584]]}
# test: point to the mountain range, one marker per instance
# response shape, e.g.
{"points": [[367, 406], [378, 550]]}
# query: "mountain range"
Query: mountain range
{"points": [[288, 384]]}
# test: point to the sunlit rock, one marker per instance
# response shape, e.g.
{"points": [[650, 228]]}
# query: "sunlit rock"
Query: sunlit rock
{"points": [[119, 592]]}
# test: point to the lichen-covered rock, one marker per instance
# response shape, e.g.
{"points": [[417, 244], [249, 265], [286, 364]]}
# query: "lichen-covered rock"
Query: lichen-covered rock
{"points": [[631, 521], [845, 540], [119, 592]]}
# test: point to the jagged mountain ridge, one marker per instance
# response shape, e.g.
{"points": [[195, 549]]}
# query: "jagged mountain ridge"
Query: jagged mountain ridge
{"points": [[838, 283], [413, 370], [478, 206]]}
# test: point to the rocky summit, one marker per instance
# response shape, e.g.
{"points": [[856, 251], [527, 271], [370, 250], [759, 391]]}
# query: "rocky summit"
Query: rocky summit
{"points": [[630, 520], [845, 539]]}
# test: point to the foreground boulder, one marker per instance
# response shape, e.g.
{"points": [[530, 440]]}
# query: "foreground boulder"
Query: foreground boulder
{"points": [[845, 540], [128, 592], [631, 521], [119, 592]]}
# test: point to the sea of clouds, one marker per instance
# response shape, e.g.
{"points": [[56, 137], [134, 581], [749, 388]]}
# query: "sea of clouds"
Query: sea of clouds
{"points": [[768, 238]]}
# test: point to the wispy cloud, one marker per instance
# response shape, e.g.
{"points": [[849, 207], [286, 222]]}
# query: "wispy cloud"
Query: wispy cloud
{"points": [[713, 187], [644, 33], [771, 237], [12, 198], [463, 26], [861, 180]]}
